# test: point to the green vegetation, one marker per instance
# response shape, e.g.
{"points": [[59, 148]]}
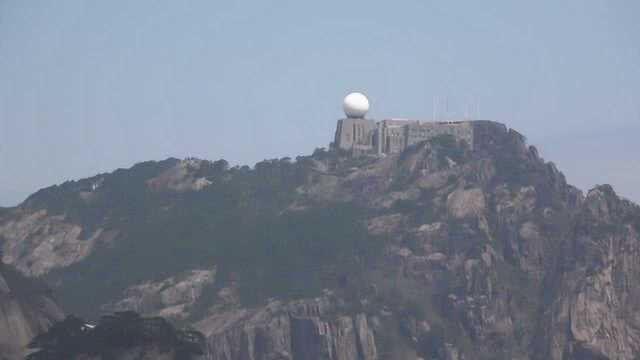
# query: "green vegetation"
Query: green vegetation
{"points": [[447, 147], [410, 299], [26, 290], [4, 211], [341, 161], [300, 254], [415, 309], [513, 170], [114, 333], [525, 300], [464, 238], [419, 211], [431, 345], [443, 147], [239, 224], [601, 231]]}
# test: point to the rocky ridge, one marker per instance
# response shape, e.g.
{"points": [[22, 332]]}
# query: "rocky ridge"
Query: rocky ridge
{"points": [[486, 254]]}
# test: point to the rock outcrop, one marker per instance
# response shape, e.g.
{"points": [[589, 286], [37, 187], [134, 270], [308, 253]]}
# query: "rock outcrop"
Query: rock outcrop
{"points": [[170, 298], [180, 178], [595, 310], [26, 309], [36, 242], [306, 329]]}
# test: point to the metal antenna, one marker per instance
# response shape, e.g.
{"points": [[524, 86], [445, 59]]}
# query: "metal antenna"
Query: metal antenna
{"points": [[475, 107], [436, 105], [466, 111], [433, 103], [446, 108]]}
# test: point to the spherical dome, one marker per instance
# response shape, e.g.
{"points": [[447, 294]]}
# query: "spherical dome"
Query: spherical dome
{"points": [[355, 105]]}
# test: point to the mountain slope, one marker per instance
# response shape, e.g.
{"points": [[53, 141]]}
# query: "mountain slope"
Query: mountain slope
{"points": [[438, 252], [26, 310]]}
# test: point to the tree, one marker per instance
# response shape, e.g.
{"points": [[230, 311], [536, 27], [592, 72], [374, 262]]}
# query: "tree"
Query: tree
{"points": [[62, 341], [122, 330]]}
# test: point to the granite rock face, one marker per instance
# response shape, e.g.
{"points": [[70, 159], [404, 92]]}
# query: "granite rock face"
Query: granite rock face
{"points": [[170, 298], [524, 264], [36, 242], [180, 178], [26, 309], [595, 311], [305, 329]]}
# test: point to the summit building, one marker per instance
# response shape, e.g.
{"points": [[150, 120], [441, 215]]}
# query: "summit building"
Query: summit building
{"points": [[357, 134]]}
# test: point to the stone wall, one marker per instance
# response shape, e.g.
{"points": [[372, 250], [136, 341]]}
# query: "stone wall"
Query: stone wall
{"points": [[355, 134], [424, 131], [393, 136]]}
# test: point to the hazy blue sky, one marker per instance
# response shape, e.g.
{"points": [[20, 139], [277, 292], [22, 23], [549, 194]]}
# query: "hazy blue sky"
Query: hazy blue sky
{"points": [[90, 86]]}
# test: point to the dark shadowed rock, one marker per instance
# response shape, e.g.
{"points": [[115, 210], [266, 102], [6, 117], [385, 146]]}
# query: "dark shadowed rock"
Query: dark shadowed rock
{"points": [[26, 310]]}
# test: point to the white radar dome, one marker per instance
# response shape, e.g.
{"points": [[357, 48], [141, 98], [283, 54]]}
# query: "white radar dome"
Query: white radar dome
{"points": [[355, 105]]}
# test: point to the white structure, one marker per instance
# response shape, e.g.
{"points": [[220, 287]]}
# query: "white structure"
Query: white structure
{"points": [[355, 105], [360, 135]]}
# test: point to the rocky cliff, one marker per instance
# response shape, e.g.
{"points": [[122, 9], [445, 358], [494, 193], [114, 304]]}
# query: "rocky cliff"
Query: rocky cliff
{"points": [[26, 309], [304, 329], [594, 309], [439, 252]]}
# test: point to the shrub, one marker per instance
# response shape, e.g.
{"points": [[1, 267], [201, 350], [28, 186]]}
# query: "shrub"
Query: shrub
{"points": [[72, 337]]}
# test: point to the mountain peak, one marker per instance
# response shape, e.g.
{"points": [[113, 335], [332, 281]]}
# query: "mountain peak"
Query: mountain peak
{"points": [[459, 245]]}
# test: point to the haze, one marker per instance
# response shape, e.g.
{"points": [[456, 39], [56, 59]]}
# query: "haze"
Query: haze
{"points": [[87, 87]]}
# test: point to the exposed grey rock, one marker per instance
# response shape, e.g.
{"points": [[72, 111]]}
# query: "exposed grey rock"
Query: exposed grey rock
{"points": [[25, 311], [180, 178], [170, 298], [595, 312], [306, 329], [466, 203], [451, 353], [386, 201], [385, 224], [36, 242]]}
